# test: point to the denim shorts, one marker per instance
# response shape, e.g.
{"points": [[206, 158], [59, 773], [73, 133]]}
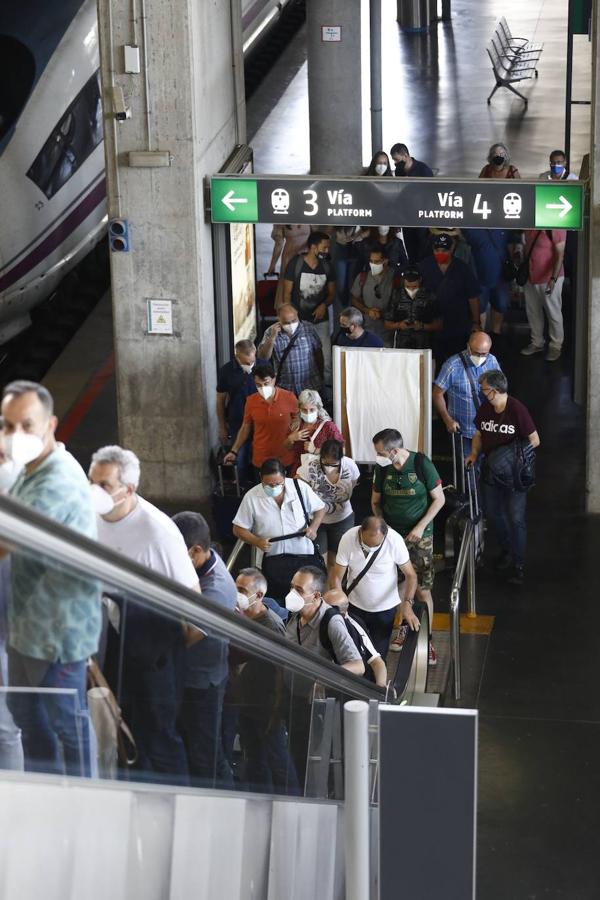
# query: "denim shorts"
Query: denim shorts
{"points": [[329, 536]]}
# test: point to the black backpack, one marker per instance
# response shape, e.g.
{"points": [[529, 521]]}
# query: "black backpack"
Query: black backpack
{"points": [[354, 633]]}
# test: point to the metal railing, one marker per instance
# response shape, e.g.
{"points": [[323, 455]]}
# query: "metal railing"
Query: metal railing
{"points": [[465, 563]]}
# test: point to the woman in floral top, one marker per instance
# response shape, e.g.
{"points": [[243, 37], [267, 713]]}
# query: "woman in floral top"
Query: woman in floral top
{"points": [[333, 477]]}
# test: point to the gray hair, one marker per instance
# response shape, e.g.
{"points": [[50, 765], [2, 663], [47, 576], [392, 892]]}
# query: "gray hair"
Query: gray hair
{"points": [[390, 438], [313, 398], [354, 315], [125, 460], [502, 147], [496, 380], [259, 582], [18, 388]]}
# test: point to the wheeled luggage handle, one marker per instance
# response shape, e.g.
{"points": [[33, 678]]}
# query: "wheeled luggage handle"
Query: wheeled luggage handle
{"points": [[458, 438], [236, 475]]}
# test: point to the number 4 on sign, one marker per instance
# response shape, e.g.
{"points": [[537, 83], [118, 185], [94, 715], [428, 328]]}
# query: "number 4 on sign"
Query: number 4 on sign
{"points": [[481, 209]]}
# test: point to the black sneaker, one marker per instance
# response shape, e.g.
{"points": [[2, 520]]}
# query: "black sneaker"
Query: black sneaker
{"points": [[517, 576], [503, 561]]}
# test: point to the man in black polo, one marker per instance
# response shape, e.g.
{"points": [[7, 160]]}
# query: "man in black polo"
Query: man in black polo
{"points": [[235, 382], [406, 166], [456, 292]]}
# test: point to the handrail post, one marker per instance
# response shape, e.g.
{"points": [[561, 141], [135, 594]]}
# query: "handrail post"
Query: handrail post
{"points": [[471, 589], [455, 638], [356, 806]]}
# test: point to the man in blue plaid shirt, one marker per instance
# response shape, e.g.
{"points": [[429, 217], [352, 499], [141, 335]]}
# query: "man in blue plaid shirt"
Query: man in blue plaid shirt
{"points": [[300, 366], [459, 379]]}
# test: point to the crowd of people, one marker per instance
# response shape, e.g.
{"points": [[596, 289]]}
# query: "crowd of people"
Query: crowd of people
{"points": [[326, 578]]}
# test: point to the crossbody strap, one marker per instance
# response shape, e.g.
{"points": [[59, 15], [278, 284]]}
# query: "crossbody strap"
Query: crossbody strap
{"points": [[285, 537], [365, 569], [469, 374], [530, 251], [287, 350]]}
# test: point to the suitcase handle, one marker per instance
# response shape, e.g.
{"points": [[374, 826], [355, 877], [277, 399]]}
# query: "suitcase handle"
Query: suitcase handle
{"points": [[270, 274], [455, 467]]}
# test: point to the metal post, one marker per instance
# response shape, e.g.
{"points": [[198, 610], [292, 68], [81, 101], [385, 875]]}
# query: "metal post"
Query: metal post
{"points": [[569, 82], [471, 589], [455, 638], [356, 810], [376, 104]]}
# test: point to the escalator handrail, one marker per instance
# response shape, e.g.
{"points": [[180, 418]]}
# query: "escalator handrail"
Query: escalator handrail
{"points": [[25, 529], [461, 567], [415, 652]]}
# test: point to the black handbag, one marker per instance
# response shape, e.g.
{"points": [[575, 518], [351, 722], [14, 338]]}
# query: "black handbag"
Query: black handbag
{"points": [[522, 276], [509, 270], [280, 568]]}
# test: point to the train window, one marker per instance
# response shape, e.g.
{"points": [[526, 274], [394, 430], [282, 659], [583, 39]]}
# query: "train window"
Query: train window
{"points": [[76, 135], [17, 72]]}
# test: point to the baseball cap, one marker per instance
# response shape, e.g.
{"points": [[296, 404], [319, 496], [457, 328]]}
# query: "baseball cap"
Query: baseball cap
{"points": [[443, 242]]}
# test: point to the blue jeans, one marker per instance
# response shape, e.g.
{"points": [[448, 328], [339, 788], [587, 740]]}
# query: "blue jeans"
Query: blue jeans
{"points": [[505, 510], [11, 749], [498, 297], [49, 722], [202, 717], [269, 766]]}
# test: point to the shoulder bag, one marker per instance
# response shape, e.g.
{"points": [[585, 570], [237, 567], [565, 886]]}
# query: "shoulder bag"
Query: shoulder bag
{"points": [[522, 276], [469, 374], [353, 585]]}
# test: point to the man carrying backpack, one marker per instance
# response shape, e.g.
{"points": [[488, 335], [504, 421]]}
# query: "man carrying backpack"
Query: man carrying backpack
{"points": [[372, 293], [375, 668], [407, 493]]}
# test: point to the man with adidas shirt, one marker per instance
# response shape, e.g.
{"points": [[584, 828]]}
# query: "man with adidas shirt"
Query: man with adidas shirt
{"points": [[407, 493]]}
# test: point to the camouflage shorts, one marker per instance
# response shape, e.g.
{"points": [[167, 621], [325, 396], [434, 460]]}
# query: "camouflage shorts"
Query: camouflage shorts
{"points": [[421, 556]]}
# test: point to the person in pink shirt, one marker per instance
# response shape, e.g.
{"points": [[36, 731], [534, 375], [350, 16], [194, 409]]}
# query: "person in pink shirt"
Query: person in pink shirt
{"points": [[543, 291]]}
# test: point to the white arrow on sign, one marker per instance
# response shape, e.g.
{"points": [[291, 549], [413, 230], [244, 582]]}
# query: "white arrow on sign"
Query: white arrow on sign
{"points": [[229, 200], [564, 206]]}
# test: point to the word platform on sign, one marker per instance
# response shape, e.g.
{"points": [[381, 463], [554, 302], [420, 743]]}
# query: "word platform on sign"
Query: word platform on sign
{"points": [[400, 202]]}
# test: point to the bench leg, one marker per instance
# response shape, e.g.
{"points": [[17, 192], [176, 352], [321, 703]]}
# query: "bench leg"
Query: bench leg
{"points": [[515, 91], [494, 91]]}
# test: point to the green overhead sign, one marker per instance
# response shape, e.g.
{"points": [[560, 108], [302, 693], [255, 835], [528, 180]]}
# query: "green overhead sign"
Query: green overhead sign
{"points": [[408, 202]]}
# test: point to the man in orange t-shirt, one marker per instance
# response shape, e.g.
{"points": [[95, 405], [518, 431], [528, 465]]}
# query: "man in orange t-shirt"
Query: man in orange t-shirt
{"points": [[267, 416]]}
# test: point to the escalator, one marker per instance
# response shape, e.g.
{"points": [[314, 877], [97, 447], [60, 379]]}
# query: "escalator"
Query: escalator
{"points": [[274, 775]]}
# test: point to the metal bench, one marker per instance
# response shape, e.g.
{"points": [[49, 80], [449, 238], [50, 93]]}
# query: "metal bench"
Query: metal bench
{"points": [[518, 44], [508, 71]]}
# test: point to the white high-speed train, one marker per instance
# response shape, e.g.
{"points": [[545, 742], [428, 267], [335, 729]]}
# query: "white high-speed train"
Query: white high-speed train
{"points": [[52, 184]]}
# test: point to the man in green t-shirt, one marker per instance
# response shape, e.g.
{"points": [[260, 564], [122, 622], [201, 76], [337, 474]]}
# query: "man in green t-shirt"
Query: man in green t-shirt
{"points": [[407, 493]]}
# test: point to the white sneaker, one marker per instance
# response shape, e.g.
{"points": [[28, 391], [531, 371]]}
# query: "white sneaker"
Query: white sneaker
{"points": [[530, 349], [553, 354]]}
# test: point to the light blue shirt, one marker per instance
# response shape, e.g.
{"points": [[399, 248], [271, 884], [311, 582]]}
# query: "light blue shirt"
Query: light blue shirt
{"points": [[454, 381], [53, 613]]}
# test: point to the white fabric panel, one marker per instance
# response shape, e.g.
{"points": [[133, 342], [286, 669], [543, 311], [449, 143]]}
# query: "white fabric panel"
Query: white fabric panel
{"points": [[382, 391], [63, 843], [303, 851]]}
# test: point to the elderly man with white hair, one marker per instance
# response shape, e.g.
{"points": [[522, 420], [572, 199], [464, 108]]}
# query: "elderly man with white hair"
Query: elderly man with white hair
{"points": [[154, 646]]}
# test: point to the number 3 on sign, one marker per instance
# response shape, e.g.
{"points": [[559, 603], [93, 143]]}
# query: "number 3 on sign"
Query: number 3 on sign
{"points": [[481, 209], [311, 203]]}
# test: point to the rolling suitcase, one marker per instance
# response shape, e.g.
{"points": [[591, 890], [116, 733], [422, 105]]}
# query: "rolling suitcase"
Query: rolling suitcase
{"points": [[266, 291], [462, 505], [226, 499]]}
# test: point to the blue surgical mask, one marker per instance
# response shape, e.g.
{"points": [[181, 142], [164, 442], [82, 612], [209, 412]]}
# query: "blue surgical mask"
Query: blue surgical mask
{"points": [[272, 490], [557, 170]]}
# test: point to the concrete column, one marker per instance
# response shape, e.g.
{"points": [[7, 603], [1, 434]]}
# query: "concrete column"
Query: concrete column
{"points": [[188, 99], [593, 398], [334, 87]]}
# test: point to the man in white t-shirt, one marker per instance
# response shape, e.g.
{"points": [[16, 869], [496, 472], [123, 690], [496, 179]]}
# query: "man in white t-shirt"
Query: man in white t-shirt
{"points": [[153, 645], [373, 593], [337, 598]]}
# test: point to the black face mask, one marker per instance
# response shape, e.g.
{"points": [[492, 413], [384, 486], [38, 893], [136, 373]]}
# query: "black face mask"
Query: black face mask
{"points": [[324, 255], [400, 167], [498, 160], [347, 330]]}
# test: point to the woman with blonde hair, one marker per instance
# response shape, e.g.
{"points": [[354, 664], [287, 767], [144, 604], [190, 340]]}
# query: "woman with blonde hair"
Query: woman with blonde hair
{"points": [[310, 428]]}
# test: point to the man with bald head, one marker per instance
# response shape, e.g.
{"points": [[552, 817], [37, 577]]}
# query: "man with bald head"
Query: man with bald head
{"points": [[295, 351], [458, 379], [368, 559]]}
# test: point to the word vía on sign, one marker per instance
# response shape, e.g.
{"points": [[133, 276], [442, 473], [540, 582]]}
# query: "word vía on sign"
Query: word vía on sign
{"points": [[341, 204], [451, 207]]}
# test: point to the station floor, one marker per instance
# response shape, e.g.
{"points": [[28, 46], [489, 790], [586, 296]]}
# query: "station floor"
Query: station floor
{"points": [[534, 678]]}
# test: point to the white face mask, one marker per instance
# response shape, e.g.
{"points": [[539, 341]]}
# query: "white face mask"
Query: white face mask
{"points": [[309, 417], [9, 472], [380, 169], [376, 268], [383, 230], [293, 601], [290, 327], [330, 469], [245, 368], [383, 461], [266, 390], [24, 448], [244, 602], [102, 501], [368, 549], [477, 360], [412, 292], [273, 490]]}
